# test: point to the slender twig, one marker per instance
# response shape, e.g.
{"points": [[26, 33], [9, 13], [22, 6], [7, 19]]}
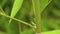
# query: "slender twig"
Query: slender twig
{"points": [[18, 20], [3, 14]]}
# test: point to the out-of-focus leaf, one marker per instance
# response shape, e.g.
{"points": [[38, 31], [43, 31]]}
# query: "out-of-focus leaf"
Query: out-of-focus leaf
{"points": [[51, 32]]}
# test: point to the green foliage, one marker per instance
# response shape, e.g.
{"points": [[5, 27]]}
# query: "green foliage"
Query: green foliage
{"points": [[52, 32], [22, 14], [17, 5]]}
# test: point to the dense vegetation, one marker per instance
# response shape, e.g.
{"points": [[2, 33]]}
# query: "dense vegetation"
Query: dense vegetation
{"points": [[29, 16]]}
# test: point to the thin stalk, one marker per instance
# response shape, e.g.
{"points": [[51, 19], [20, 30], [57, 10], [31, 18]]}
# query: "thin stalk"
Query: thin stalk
{"points": [[3, 14], [18, 20], [19, 24], [37, 13]]}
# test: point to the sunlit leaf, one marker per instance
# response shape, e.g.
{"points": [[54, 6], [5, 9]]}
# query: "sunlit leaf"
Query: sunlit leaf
{"points": [[13, 27], [16, 6], [51, 32]]}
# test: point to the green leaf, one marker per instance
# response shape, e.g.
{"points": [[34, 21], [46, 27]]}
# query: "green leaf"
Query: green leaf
{"points": [[51, 32], [16, 6], [13, 28]]}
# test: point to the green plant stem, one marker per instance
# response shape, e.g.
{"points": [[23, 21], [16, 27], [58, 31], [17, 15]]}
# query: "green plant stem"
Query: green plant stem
{"points": [[3, 14], [19, 24], [18, 20], [37, 13]]}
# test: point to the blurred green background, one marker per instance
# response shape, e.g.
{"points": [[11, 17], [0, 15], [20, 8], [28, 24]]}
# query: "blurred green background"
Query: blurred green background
{"points": [[50, 17]]}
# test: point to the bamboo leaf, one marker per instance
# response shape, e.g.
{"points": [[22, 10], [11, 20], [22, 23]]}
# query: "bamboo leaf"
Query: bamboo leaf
{"points": [[16, 6], [13, 27]]}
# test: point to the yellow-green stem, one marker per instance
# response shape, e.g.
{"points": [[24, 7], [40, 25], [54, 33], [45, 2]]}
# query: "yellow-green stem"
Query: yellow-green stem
{"points": [[37, 13]]}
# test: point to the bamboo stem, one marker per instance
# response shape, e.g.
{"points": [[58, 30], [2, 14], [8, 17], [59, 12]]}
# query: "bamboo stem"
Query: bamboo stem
{"points": [[37, 13]]}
